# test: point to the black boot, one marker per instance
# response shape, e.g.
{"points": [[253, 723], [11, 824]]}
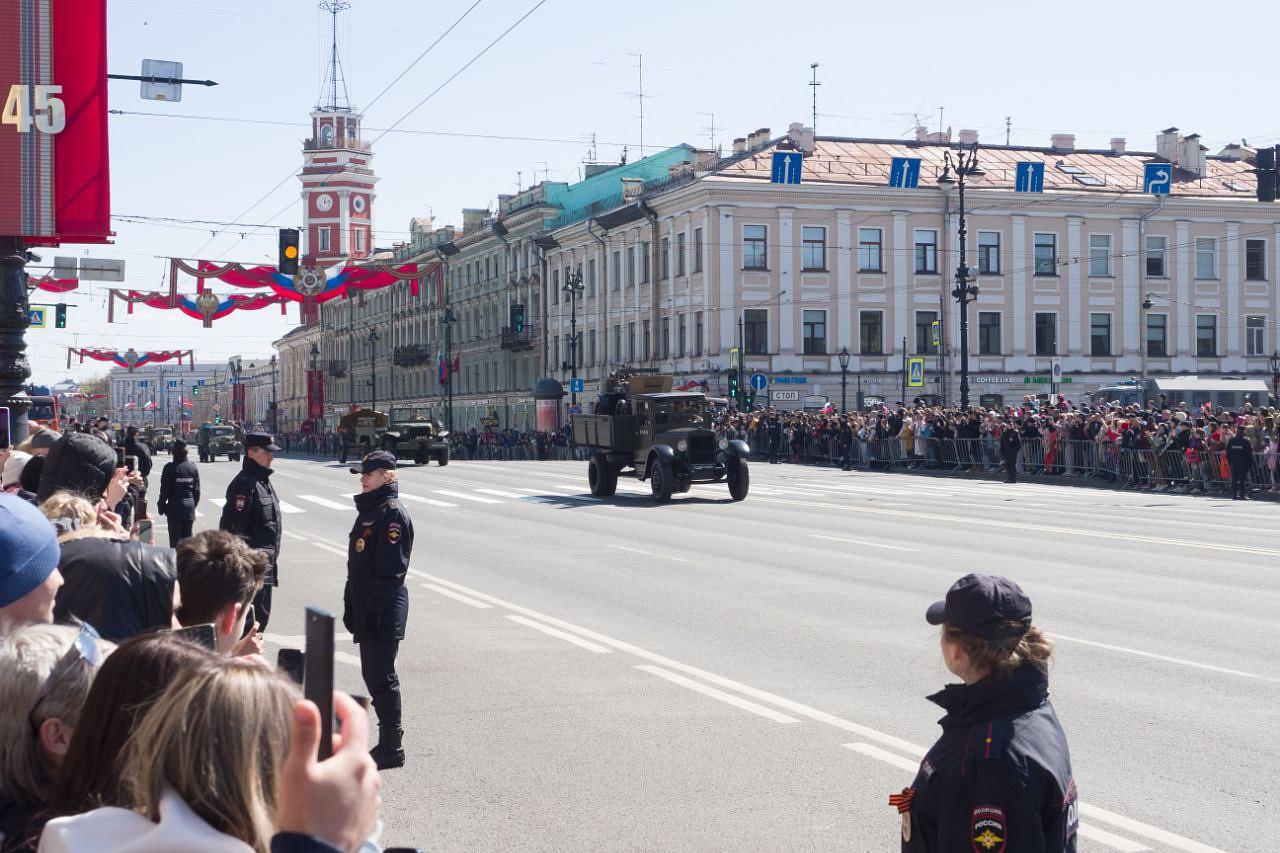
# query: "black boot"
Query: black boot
{"points": [[388, 753]]}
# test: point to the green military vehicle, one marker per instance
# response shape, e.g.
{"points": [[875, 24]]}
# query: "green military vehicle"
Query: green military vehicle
{"points": [[365, 428], [160, 438], [645, 430], [216, 440], [412, 435]]}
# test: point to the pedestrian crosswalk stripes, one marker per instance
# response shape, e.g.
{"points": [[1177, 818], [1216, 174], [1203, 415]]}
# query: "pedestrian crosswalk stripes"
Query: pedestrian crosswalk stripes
{"points": [[405, 496], [464, 496], [325, 502]]}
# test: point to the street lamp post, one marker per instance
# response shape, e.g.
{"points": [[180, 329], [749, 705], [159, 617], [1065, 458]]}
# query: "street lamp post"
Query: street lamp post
{"points": [[573, 288], [315, 356], [844, 378], [274, 418], [373, 368], [1274, 361], [965, 166]]}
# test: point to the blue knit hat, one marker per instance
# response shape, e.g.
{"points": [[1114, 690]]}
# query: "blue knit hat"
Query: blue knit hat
{"points": [[29, 549]]}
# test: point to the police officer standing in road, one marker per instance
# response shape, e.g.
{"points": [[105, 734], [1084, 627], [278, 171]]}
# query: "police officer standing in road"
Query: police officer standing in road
{"points": [[1000, 777], [1010, 446], [376, 602], [179, 493], [252, 510]]}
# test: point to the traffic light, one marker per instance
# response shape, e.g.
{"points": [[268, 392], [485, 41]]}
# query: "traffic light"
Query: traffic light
{"points": [[750, 400], [1268, 176], [195, 390], [288, 263], [517, 318], [733, 383], [60, 315]]}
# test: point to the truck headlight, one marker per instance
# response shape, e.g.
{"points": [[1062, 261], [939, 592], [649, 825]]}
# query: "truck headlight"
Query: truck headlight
{"points": [[724, 444], [682, 445]]}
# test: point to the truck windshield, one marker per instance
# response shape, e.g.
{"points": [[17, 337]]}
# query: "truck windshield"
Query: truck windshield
{"points": [[221, 431], [670, 413]]}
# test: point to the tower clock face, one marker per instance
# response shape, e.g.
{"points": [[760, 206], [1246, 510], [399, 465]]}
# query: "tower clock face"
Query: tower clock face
{"points": [[324, 202], [357, 204]]}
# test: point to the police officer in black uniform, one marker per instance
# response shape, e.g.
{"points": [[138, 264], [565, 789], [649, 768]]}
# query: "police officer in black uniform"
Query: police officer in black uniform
{"points": [[1010, 447], [252, 511], [179, 493], [376, 602], [1000, 777]]}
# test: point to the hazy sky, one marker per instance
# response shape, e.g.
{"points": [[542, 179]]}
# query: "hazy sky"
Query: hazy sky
{"points": [[568, 71]]}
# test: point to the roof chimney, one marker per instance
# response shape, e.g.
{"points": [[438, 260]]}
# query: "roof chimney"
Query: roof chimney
{"points": [[631, 188], [740, 145], [1167, 144], [968, 137], [801, 137], [1191, 154], [1233, 151], [1117, 145], [922, 133], [473, 218], [1063, 141]]}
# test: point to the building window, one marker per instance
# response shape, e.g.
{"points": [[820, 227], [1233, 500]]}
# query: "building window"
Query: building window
{"points": [[357, 236], [631, 266], [591, 277], [664, 258], [617, 342], [591, 347], [815, 332], [1206, 335], [666, 337], [680, 247], [631, 342], [697, 250], [697, 334], [1100, 334], [1046, 254], [682, 336], [1157, 335], [813, 255], [755, 331], [926, 343], [754, 247], [988, 333], [555, 350], [988, 253], [1046, 333], [555, 286], [926, 251], [644, 263], [1157, 248], [646, 340], [1255, 260], [1099, 255], [322, 240], [1206, 257], [616, 273], [1255, 335], [871, 332], [870, 250]]}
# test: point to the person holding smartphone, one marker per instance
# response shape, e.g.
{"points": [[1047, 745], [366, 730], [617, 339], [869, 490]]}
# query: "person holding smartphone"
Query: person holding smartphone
{"points": [[376, 601]]}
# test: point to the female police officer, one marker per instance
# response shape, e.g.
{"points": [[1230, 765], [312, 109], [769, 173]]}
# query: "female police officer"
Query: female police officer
{"points": [[999, 778], [376, 602]]}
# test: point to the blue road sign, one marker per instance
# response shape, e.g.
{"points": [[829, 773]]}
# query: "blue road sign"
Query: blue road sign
{"points": [[1157, 178], [36, 316], [577, 386], [200, 382], [1029, 178], [173, 383], [915, 373], [905, 173], [143, 383], [786, 167], [759, 381]]}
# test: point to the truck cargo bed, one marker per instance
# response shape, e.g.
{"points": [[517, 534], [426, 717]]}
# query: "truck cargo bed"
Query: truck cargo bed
{"points": [[609, 432]]}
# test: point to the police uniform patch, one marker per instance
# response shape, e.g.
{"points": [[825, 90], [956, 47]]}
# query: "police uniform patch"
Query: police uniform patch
{"points": [[241, 500], [989, 830], [393, 532], [360, 545]]}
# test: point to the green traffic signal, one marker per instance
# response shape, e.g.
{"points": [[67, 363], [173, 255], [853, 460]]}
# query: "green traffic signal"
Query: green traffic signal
{"points": [[60, 315]]}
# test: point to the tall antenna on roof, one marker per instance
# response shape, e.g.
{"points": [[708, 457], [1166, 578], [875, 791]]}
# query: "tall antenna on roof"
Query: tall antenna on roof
{"points": [[333, 76], [640, 94], [814, 84], [710, 130], [1008, 129], [940, 112]]}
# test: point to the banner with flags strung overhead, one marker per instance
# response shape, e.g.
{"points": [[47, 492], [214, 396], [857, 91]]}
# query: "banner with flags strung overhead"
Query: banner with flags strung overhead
{"points": [[205, 306], [131, 358]]}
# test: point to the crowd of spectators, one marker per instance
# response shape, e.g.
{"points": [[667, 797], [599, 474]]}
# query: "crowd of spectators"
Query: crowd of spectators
{"points": [[121, 731]]}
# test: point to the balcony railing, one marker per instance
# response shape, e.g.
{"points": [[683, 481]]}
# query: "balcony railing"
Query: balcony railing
{"points": [[337, 367], [521, 340], [411, 355]]}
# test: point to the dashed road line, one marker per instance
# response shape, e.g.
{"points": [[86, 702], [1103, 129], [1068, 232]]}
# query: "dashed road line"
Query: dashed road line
{"points": [[648, 553], [727, 698], [456, 596], [464, 496], [1165, 658], [567, 637], [863, 542]]}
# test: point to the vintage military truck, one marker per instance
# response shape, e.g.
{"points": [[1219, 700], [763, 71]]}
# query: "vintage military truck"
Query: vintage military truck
{"points": [[645, 430], [216, 440], [365, 426], [160, 438], [412, 435]]}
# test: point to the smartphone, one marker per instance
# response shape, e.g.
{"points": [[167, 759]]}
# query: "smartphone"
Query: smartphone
{"points": [[146, 533], [291, 662], [119, 457], [317, 681], [201, 635], [249, 617], [5, 429], [131, 464]]}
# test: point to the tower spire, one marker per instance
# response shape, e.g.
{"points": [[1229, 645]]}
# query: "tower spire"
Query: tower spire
{"points": [[335, 85]]}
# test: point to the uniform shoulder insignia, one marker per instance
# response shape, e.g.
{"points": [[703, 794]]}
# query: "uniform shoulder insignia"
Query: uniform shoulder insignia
{"points": [[989, 829], [993, 738], [393, 532]]}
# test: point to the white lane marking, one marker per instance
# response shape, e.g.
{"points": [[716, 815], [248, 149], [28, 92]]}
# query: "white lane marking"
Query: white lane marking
{"points": [[1037, 528], [800, 710], [325, 502], [293, 535], [560, 496], [499, 493], [648, 553], [289, 508], [1165, 658], [456, 596], [884, 755], [429, 501], [727, 698], [464, 496], [330, 548], [568, 638], [218, 502], [863, 542], [293, 642], [1088, 830]]}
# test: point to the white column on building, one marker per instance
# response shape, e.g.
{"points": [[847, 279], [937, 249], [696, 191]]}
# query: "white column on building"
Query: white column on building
{"points": [[1275, 291], [1182, 296], [1018, 259], [843, 240], [342, 243], [1076, 320], [729, 308], [1235, 290], [787, 281], [1131, 296], [901, 254]]}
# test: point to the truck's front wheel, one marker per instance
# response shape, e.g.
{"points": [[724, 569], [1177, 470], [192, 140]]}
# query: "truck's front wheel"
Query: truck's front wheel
{"points": [[601, 476], [662, 480], [739, 479]]}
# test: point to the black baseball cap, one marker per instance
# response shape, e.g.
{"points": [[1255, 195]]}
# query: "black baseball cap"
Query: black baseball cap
{"points": [[987, 606], [261, 439], [375, 460]]}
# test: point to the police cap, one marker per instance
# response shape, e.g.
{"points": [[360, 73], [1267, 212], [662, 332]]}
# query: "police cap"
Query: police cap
{"points": [[988, 606], [261, 439], [375, 460]]}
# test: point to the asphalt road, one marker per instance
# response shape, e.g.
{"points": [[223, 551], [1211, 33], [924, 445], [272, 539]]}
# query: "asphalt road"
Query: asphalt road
{"points": [[614, 675]]}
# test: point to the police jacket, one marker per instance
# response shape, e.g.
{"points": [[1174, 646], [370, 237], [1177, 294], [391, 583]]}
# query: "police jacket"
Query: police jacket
{"points": [[999, 778], [1010, 441], [1239, 453], [179, 489], [376, 602], [253, 511]]}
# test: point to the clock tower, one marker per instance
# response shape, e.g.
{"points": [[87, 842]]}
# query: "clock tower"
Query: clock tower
{"points": [[337, 178]]}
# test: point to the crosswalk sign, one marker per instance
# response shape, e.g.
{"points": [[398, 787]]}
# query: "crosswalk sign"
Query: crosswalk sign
{"points": [[37, 317], [915, 373]]}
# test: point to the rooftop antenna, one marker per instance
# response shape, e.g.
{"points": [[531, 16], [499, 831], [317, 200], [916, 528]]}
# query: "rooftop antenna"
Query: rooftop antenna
{"points": [[334, 77], [640, 71], [546, 172], [520, 178], [1008, 129], [940, 112], [710, 130], [814, 84]]}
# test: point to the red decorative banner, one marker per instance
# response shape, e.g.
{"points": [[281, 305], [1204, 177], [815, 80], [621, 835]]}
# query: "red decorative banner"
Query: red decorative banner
{"points": [[131, 358], [55, 285], [206, 306], [315, 394], [237, 402]]}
